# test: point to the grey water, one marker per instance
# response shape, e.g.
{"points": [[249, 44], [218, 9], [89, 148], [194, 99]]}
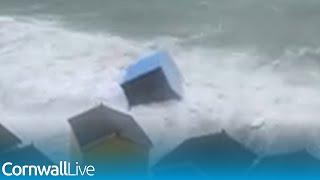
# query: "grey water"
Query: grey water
{"points": [[271, 26]]}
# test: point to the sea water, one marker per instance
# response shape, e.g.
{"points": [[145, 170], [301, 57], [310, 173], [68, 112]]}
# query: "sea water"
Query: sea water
{"points": [[249, 67]]}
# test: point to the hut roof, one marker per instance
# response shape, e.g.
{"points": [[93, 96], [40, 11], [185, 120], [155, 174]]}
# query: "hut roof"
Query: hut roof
{"points": [[214, 151], [158, 60], [26, 155], [102, 121], [7, 139]]}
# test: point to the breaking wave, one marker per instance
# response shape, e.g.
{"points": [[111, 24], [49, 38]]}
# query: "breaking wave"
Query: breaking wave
{"points": [[49, 73]]}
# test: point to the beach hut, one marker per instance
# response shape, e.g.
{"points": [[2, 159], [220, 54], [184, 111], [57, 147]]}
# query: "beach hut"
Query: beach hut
{"points": [[25, 156], [111, 139], [210, 155], [154, 78], [8, 140]]}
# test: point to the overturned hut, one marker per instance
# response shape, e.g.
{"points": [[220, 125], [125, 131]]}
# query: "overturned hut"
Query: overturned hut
{"points": [[153, 78]]}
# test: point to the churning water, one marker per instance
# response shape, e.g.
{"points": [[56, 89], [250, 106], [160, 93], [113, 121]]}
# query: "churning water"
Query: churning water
{"points": [[250, 67]]}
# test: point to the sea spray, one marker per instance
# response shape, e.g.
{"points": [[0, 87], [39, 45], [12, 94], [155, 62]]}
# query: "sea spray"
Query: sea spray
{"points": [[50, 72]]}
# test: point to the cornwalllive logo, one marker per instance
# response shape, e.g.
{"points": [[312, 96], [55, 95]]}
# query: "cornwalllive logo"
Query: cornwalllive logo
{"points": [[63, 169]]}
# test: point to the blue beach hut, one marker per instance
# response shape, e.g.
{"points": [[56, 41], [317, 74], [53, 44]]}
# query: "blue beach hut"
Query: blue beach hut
{"points": [[25, 155], [154, 78], [8, 140], [213, 155]]}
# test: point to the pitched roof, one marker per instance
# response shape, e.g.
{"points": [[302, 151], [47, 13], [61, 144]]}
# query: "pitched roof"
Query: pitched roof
{"points": [[215, 151], [26, 155], [7, 139], [149, 63], [102, 121]]}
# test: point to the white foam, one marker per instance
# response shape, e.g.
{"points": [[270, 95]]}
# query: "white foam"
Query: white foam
{"points": [[49, 74]]}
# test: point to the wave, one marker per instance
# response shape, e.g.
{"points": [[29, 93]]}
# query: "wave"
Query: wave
{"points": [[49, 73]]}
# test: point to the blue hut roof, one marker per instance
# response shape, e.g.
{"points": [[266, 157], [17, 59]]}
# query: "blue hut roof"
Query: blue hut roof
{"points": [[149, 63]]}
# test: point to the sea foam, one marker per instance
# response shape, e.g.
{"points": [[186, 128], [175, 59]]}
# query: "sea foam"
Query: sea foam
{"points": [[50, 72]]}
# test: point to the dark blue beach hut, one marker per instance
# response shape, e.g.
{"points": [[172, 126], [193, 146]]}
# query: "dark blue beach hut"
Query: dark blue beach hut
{"points": [[8, 140], [25, 156], [213, 155], [11, 150], [154, 78]]}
